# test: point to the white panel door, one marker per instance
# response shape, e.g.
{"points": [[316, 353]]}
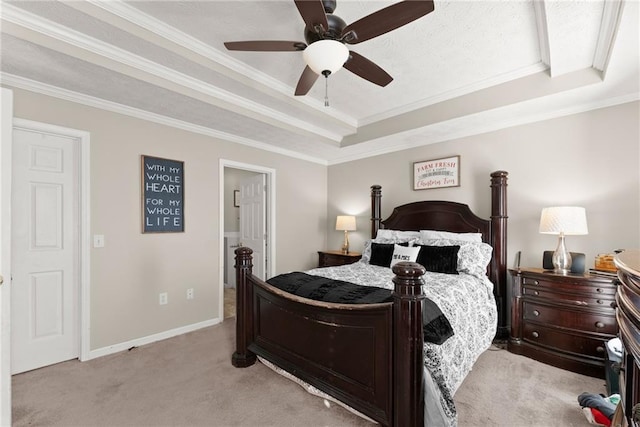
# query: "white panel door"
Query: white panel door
{"points": [[45, 215], [253, 220]]}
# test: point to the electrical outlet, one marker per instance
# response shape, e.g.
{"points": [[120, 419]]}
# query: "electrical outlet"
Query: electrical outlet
{"points": [[190, 293], [164, 298]]}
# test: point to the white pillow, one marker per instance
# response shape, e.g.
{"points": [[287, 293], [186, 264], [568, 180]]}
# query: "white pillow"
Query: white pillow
{"points": [[397, 235], [404, 253], [462, 237]]}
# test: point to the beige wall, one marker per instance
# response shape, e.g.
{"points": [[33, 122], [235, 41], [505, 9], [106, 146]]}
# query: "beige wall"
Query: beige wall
{"points": [[595, 154], [589, 159], [133, 268]]}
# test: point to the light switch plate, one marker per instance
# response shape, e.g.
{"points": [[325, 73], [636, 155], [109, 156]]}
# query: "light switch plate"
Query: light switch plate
{"points": [[98, 241]]}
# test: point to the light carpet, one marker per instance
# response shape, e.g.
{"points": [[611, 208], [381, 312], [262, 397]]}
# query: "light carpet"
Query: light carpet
{"points": [[189, 381]]}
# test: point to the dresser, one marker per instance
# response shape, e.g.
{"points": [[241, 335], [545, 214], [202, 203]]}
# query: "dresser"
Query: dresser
{"points": [[628, 315], [335, 258], [562, 320]]}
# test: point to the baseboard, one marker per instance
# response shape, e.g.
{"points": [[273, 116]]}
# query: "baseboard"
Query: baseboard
{"points": [[104, 351]]}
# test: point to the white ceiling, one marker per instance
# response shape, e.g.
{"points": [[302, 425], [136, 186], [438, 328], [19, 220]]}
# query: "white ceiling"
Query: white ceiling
{"points": [[466, 68]]}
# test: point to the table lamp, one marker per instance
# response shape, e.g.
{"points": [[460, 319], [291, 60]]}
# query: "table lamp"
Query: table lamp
{"points": [[346, 223], [563, 220]]}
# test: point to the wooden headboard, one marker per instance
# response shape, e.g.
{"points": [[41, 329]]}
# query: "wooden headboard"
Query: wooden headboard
{"points": [[458, 218]]}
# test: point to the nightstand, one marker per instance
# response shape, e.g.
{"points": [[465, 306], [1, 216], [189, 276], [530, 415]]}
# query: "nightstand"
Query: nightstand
{"points": [[562, 320], [335, 258]]}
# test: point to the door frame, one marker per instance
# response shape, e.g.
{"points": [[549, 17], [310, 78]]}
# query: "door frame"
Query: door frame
{"points": [[5, 255], [83, 148], [270, 199]]}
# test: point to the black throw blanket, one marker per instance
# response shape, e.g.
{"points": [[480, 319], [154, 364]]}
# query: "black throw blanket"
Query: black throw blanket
{"points": [[436, 327]]}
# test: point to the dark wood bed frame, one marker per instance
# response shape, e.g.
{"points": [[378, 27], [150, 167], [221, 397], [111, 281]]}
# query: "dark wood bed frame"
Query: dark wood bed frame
{"points": [[368, 356]]}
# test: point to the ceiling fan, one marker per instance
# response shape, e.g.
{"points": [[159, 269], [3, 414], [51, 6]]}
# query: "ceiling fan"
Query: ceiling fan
{"points": [[326, 35]]}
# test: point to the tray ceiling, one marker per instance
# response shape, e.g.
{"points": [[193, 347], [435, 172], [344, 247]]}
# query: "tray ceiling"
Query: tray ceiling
{"points": [[466, 68]]}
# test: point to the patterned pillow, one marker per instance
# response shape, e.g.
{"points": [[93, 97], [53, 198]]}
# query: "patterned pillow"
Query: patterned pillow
{"points": [[404, 254], [463, 237], [473, 257], [397, 236], [439, 259]]}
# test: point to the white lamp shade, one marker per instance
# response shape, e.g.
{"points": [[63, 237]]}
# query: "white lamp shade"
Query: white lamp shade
{"points": [[325, 55], [570, 220], [346, 223]]}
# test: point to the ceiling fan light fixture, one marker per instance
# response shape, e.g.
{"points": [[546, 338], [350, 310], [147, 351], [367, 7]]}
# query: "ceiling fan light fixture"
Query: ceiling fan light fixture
{"points": [[325, 55]]}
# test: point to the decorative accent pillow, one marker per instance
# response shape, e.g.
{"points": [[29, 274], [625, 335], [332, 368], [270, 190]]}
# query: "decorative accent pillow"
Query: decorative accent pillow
{"points": [[382, 253], [404, 254], [463, 237], [473, 257], [439, 259]]}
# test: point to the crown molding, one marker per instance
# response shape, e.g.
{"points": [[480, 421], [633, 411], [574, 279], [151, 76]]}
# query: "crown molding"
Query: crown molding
{"points": [[611, 16], [161, 29], [67, 95], [474, 124], [543, 33], [452, 94], [225, 99]]}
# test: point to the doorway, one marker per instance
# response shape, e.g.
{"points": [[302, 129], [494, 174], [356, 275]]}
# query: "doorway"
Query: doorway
{"points": [[247, 213]]}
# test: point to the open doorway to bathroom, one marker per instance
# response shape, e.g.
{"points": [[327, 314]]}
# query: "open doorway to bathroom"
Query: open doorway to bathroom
{"points": [[247, 219]]}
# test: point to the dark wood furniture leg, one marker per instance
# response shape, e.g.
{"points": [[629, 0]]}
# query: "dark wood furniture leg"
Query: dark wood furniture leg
{"points": [[243, 357]]}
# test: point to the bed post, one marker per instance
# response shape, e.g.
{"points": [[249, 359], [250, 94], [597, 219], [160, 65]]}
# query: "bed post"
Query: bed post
{"points": [[376, 209], [243, 357], [499, 243], [408, 343]]}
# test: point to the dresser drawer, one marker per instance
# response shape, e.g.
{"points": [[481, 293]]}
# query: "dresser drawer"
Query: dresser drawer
{"points": [[602, 299], [594, 287], [565, 342], [581, 320]]}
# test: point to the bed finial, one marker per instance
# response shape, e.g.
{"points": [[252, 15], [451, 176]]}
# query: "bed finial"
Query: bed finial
{"points": [[499, 242], [376, 209]]}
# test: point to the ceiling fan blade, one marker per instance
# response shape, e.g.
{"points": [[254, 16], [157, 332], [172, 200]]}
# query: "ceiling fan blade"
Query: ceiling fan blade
{"points": [[266, 46], [313, 14], [366, 69], [307, 79], [385, 20]]}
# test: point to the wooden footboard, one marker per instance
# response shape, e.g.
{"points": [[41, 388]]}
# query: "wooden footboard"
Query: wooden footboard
{"points": [[369, 356]]}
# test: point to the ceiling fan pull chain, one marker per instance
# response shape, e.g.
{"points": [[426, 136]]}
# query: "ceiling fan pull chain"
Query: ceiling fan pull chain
{"points": [[326, 87]]}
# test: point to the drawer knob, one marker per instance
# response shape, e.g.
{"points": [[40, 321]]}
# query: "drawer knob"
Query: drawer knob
{"points": [[600, 301], [599, 325], [600, 349], [599, 290], [536, 313], [535, 334], [536, 293]]}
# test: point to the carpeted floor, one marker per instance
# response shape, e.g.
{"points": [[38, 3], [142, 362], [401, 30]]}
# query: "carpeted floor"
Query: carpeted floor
{"points": [[189, 381]]}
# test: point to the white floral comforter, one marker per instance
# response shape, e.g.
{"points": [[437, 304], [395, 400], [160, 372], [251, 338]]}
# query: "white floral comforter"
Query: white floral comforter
{"points": [[468, 303]]}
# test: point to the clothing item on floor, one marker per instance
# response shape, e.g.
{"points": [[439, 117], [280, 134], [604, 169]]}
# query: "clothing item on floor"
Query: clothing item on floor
{"points": [[596, 401]]}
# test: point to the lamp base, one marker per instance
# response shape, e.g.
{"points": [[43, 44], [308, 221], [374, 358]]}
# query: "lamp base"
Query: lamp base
{"points": [[561, 257], [345, 245]]}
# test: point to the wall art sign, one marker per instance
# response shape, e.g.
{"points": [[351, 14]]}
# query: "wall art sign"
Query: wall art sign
{"points": [[162, 195], [436, 173]]}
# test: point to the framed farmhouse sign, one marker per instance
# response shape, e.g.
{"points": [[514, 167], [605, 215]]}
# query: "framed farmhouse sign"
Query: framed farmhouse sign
{"points": [[436, 173], [162, 195]]}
